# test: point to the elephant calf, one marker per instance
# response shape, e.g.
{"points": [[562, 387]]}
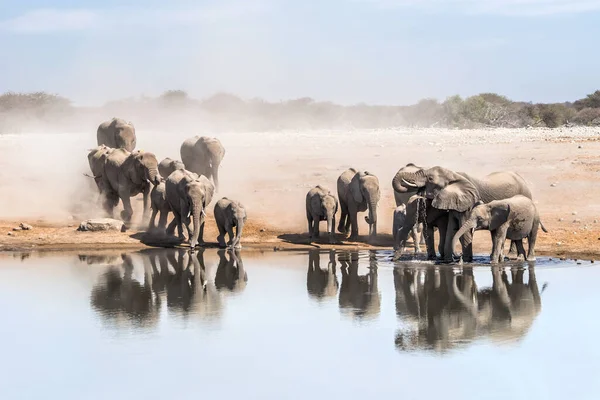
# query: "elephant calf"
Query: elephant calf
{"points": [[321, 205], [159, 204], [514, 218], [358, 191], [230, 214]]}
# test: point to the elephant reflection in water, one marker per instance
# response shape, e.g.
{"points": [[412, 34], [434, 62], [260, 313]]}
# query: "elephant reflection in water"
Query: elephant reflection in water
{"points": [[119, 295], [320, 283], [181, 276], [359, 294], [231, 274], [444, 310]]}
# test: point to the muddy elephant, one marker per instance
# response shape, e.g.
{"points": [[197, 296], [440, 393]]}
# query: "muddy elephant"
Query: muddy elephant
{"points": [[458, 192], [445, 310], [168, 165], [126, 175], [514, 218], [203, 155], [359, 295], [402, 196], [231, 275], [117, 133], [358, 191], [96, 160], [321, 283], [321, 205], [188, 195], [230, 214]]}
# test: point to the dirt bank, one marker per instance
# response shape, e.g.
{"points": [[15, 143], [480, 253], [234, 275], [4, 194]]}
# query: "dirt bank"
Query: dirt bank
{"points": [[271, 173]]}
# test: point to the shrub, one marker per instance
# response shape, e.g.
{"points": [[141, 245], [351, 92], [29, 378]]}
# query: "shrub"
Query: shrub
{"points": [[588, 117], [591, 101]]}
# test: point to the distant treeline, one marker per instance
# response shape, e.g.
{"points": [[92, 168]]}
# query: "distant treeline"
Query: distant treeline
{"points": [[31, 111]]}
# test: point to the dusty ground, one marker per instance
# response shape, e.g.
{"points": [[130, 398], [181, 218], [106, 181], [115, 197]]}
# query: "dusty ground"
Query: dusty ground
{"points": [[271, 173]]}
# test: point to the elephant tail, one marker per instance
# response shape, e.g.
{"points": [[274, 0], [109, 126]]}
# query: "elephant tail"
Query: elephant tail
{"points": [[543, 227]]}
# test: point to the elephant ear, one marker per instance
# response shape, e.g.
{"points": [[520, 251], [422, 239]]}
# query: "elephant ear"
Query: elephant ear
{"points": [[460, 195], [209, 191], [354, 188], [498, 216]]}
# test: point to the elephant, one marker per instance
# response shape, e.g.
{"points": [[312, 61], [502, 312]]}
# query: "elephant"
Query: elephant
{"points": [[358, 191], [96, 159], [407, 216], [321, 205], [359, 294], [458, 193], [446, 310], [188, 194], [402, 196], [117, 133], [320, 283], [159, 205], [203, 155], [231, 274], [168, 165], [229, 214], [126, 175], [514, 218]]}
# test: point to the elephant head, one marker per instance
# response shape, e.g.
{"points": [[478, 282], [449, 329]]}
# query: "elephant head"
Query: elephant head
{"points": [[364, 188], [144, 167], [168, 165], [197, 195], [447, 189]]}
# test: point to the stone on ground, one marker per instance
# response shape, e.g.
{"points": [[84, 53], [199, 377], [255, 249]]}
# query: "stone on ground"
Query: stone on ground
{"points": [[101, 224]]}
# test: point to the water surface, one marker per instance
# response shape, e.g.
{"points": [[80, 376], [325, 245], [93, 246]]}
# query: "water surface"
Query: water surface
{"points": [[170, 324]]}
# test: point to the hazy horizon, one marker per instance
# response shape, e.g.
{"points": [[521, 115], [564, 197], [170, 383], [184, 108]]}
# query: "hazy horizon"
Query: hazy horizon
{"points": [[392, 52]]}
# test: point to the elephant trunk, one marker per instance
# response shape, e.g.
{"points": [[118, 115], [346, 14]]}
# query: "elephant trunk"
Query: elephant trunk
{"points": [[215, 174], [406, 181], [238, 233], [372, 219], [198, 219], [470, 224], [154, 176], [330, 223]]}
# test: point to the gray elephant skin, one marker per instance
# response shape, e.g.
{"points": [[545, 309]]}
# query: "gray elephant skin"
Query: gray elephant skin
{"points": [[158, 196], [96, 160], [358, 191], [231, 274], [203, 155], [230, 214], [458, 193], [126, 175], [321, 205], [402, 196], [359, 295], [117, 133], [514, 218], [321, 283], [188, 195], [407, 216], [167, 166]]}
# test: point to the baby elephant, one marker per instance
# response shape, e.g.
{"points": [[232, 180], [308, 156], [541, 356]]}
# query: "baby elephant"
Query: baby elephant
{"points": [[321, 205], [230, 213], [514, 218]]}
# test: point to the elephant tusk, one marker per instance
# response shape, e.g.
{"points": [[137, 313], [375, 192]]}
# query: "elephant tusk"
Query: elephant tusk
{"points": [[407, 183], [203, 213]]}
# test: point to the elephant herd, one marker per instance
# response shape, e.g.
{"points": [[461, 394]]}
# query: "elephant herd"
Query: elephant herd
{"points": [[427, 199], [441, 308], [184, 188], [454, 203]]}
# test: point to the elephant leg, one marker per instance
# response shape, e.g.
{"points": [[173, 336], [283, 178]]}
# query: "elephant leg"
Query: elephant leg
{"points": [[353, 214], [309, 218], [531, 239], [520, 249], [450, 230], [442, 230], [513, 249], [176, 223], [231, 235], [343, 227], [221, 237], [162, 221], [111, 200], [172, 225], [422, 234], [146, 212], [498, 242], [466, 241], [151, 225], [316, 221], [127, 212], [414, 233], [201, 234], [430, 244]]}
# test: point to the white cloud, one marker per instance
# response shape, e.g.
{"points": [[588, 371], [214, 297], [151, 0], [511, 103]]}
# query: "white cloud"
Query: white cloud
{"points": [[61, 20], [499, 7]]}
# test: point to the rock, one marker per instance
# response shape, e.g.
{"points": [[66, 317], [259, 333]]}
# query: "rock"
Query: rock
{"points": [[577, 221], [262, 230], [553, 185], [559, 243], [561, 219], [595, 221], [101, 224], [10, 233], [580, 147], [25, 227], [574, 213]]}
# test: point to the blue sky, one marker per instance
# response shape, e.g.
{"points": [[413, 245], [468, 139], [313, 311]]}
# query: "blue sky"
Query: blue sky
{"points": [[347, 51]]}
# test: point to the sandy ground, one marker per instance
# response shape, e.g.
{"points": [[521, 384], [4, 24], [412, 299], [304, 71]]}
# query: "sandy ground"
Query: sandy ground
{"points": [[42, 182]]}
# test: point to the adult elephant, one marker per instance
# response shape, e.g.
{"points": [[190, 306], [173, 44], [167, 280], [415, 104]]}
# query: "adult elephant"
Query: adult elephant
{"points": [[203, 155], [188, 195], [458, 192], [402, 196], [117, 133], [358, 191], [359, 295], [126, 175]]}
